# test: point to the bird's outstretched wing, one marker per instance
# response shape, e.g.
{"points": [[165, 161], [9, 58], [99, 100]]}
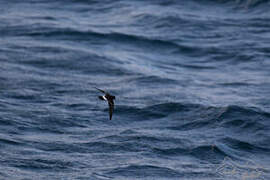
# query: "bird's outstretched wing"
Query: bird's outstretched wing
{"points": [[101, 90], [111, 108]]}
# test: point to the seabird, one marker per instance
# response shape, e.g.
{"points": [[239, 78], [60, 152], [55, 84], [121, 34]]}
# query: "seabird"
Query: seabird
{"points": [[108, 97]]}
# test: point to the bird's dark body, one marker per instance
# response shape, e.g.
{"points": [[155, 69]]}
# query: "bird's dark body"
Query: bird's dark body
{"points": [[109, 98]]}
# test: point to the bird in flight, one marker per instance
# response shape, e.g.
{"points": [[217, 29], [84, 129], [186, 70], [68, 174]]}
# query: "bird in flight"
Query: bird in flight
{"points": [[108, 97]]}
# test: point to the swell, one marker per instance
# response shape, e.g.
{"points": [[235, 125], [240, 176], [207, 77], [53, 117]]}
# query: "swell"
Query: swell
{"points": [[238, 3], [193, 116], [41, 164], [203, 152], [49, 32], [145, 171], [152, 112], [9, 141], [146, 42], [248, 119], [88, 147], [245, 146], [68, 34], [149, 144], [62, 59]]}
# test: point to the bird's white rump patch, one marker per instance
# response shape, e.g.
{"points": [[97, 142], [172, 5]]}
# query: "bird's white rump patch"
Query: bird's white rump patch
{"points": [[104, 98]]}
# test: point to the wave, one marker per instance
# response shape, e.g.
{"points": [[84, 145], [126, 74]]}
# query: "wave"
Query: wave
{"points": [[143, 171], [244, 146], [73, 34], [145, 42], [9, 141], [200, 115], [69, 34], [152, 112], [248, 119], [37, 164], [238, 3]]}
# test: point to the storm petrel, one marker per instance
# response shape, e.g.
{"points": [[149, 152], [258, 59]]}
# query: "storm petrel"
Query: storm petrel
{"points": [[108, 97]]}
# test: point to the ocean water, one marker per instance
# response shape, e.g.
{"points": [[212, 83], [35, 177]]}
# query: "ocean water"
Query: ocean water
{"points": [[191, 80]]}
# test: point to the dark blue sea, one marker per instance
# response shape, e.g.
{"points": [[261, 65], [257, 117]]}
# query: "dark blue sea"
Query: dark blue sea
{"points": [[191, 80]]}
